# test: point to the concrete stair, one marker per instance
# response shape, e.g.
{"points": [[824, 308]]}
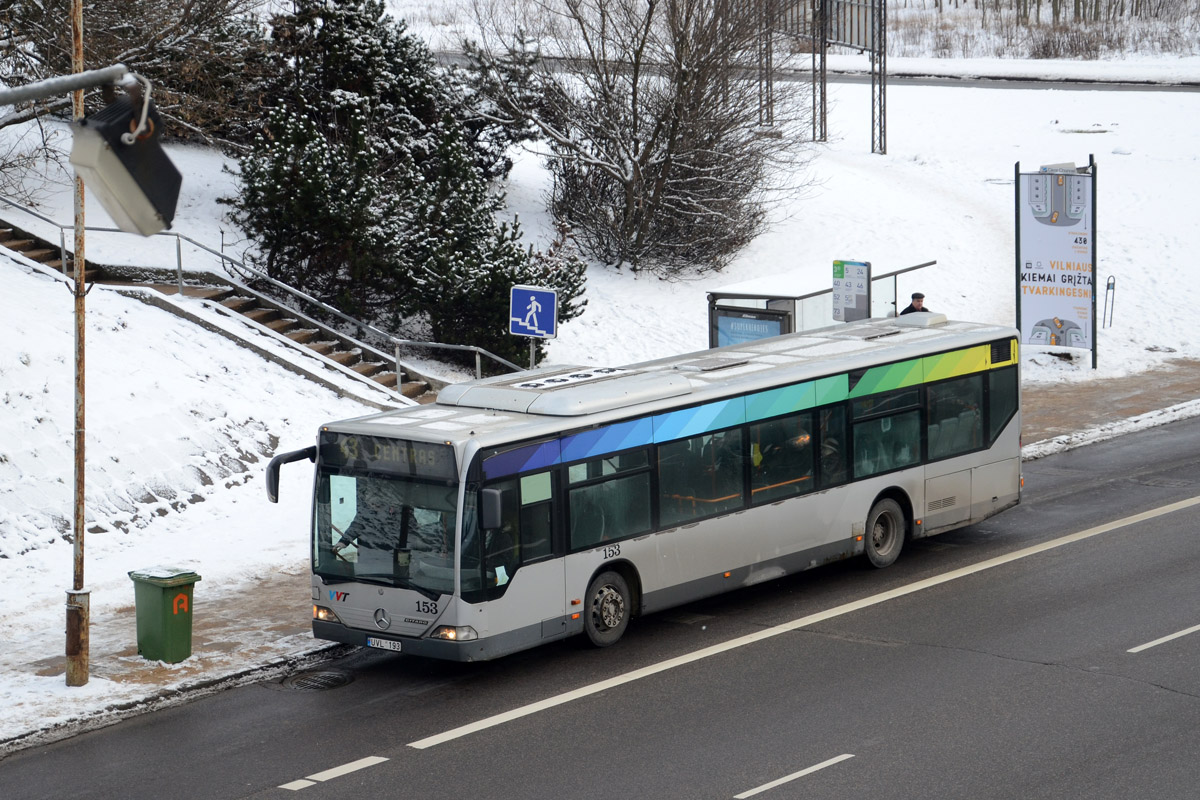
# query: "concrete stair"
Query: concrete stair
{"points": [[275, 318], [44, 253]]}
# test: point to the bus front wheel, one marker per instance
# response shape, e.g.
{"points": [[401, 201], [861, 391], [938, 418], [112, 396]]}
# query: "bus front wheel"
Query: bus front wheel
{"points": [[885, 533], [608, 609]]}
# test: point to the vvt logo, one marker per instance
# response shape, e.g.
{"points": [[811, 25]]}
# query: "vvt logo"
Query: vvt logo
{"points": [[340, 597]]}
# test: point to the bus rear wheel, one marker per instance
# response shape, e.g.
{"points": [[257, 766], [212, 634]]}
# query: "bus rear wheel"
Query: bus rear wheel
{"points": [[885, 533], [608, 609]]}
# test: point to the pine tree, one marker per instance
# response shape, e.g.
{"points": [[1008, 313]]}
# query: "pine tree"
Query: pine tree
{"points": [[324, 220], [467, 264], [366, 190]]}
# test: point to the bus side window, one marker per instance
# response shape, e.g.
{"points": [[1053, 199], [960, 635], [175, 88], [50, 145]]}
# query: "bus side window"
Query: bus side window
{"points": [[536, 494], [609, 498], [700, 477], [525, 528], [954, 407], [781, 458], [1002, 400], [887, 443], [832, 434], [501, 546]]}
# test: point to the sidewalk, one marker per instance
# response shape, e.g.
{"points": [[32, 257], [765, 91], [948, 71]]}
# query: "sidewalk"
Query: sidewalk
{"points": [[251, 633], [239, 635], [1058, 416]]}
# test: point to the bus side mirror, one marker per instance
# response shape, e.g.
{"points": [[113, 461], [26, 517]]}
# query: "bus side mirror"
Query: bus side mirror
{"points": [[489, 509], [285, 458]]}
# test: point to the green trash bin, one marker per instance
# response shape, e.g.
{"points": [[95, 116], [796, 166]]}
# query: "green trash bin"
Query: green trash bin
{"points": [[163, 597]]}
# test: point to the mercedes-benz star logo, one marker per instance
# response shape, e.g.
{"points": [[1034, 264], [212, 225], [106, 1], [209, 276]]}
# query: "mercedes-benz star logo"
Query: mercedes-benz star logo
{"points": [[382, 620]]}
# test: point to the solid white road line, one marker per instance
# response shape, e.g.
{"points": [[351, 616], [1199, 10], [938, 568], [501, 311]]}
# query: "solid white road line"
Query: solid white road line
{"points": [[796, 624], [334, 772], [1157, 642], [793, 776]]}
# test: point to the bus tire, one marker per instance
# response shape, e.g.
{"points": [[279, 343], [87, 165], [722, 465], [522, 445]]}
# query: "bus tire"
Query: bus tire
{"points": [[884, 536], [608, 609]]}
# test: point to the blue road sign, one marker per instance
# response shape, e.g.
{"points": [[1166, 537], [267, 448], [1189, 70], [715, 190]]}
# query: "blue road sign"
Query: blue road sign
{"points": [[533, 312]]}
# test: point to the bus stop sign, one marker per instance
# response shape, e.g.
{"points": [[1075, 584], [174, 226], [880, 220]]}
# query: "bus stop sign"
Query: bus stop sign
{"points": [[533, 312]]}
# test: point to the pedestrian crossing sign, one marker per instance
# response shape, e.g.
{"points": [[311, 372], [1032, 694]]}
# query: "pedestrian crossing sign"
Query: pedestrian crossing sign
{"points": [[533, 312]]}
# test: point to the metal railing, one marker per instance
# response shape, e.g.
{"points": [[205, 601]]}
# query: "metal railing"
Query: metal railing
{"points": [[243, 271], [469, 348]]}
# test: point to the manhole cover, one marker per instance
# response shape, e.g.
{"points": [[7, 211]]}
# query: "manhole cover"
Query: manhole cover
{"points": [[316, 681]]}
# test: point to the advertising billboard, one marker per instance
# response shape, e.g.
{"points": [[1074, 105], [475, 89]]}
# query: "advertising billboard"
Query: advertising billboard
{"points": [[1056, 246]]}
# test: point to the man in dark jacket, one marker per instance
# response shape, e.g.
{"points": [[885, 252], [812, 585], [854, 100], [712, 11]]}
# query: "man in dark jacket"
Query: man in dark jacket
{"points": [[917, 304]]}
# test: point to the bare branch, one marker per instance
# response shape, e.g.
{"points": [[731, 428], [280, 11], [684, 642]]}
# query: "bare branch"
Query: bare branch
{"points": [[652, 125]]}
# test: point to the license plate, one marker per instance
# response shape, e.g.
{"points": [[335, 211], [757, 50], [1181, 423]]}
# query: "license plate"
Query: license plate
{"points": [[383, 644]]}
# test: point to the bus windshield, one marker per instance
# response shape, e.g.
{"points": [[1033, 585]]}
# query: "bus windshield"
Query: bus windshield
{"points": [[381, 521]]}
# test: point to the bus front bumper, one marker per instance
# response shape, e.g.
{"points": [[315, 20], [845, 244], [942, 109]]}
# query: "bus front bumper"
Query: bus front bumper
{"points": [[475, 650]]}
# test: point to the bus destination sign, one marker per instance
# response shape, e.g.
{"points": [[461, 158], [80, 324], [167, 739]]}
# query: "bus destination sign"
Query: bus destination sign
{"points": [[382, 454]]}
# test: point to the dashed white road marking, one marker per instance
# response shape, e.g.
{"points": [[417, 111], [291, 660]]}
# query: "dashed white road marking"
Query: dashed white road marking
{"points": [[793, 776], [1164, 639], [334, 772]]}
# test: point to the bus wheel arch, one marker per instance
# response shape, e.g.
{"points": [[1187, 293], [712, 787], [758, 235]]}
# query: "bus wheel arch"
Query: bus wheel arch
{"points": [[888, 524], [613, 597]]}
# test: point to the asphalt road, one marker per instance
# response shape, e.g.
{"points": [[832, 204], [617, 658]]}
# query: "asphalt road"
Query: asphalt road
{"points": [[1004, 660]]}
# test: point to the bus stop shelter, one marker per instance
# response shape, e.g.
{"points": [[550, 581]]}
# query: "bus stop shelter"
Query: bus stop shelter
{"points": [[788, 303]]}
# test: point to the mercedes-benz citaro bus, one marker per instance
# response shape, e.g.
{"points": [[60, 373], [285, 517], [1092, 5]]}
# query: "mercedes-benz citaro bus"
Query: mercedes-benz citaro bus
{"points": [[530, 507]]}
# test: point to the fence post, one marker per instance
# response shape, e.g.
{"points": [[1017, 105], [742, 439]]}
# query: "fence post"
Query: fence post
{"points": [[179, 263], [478, 366], [1110, 301], [399, 372]]}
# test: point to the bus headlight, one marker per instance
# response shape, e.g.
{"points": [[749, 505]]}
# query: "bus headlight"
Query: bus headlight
{"points": [[463, 633], [324, 614]]}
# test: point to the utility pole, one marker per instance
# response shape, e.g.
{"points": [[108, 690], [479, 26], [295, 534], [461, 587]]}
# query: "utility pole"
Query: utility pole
{"points": [[78, 599]]}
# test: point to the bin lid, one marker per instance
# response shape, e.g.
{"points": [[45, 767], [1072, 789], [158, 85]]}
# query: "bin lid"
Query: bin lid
{"points": [[164, 576]]}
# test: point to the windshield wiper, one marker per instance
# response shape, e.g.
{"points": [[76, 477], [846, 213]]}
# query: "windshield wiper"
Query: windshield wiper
{"points": [[399, 583]]}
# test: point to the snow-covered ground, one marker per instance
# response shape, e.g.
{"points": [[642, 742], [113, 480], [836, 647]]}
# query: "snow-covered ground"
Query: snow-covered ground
{"points": [[174, 410]]}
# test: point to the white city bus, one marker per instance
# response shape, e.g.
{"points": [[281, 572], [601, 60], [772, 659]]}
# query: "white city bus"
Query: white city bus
{"points": [[531, 507]]}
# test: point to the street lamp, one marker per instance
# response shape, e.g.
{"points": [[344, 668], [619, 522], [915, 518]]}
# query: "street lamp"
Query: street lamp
{"points": [[117, 153], [117, 150]]}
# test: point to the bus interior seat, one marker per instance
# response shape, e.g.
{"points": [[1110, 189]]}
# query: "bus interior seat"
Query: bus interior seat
{"points": [[964, 438], [869, 457], [948, 437], [906, 443]]}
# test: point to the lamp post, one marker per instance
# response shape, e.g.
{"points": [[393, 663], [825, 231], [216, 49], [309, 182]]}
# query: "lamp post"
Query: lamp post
{"points": [[78, 599], [138, 185]]}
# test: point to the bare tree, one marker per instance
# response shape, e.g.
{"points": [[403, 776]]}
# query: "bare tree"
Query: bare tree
{"points": [[652, 113], [203, 56], [31, 161]]}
